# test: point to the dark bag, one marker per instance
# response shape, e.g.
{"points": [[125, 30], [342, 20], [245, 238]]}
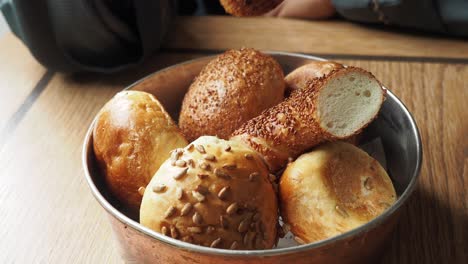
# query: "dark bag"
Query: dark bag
{"points": [[89, 35]]}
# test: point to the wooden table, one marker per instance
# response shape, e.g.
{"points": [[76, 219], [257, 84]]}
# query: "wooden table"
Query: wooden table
{"points": [[47, 212]]}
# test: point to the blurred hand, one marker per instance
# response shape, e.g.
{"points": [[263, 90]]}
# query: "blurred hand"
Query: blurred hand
{"points": [[305, 9]]}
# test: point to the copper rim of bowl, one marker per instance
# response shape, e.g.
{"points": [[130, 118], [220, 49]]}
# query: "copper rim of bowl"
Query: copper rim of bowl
{"points": [[268, 252]]}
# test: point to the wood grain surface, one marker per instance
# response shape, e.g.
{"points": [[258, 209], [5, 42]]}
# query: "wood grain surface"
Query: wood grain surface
{"points": [[48, 214]]}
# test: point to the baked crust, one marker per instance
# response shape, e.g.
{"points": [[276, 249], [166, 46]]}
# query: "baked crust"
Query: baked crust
{"points": [[132, 137], [249, 7], [233, 88]]}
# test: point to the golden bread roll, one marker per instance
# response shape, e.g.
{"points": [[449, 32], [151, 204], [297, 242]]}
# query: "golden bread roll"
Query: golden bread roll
{"points": [[303, 76], [132, 137], [331, 190], [249, 7], [337, 106], [213, 193], [233, 88]]}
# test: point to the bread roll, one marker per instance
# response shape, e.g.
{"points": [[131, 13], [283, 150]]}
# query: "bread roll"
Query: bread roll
{"points": [[233, 88], [213, 193], [331, 190], [132, 136], [249, 8], [303, 76], [334, 107]]}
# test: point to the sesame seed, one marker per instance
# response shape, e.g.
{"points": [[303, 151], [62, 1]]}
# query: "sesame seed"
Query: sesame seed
{"points": [[223, 192], [248, 238], [179, 193], [248, 156], [187, 239], [197, 218], [200, 197], [210, 157], [341, 211], [256, 216], [174, 232], [186, 209], [223, 221], [164, 231], [141, 190], [290, 159], [244, 225], [221, 174], [200, 149], [180, 174], [169, 212], [173, 162], [216, 242], [234, 245], [181, 163], [229, 166], [232, 208], [227, 148], [253, 176], [194, 229], [159, 188]]}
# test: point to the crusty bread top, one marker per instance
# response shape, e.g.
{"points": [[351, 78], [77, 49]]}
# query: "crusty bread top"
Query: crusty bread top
{"points": [[302, 77], [333, 189], [132, 137], [249, 7], [213, 193], [233, 88]]}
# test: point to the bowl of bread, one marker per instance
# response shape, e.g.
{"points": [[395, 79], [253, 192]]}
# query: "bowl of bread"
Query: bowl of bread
{"points": [[253, 157]]}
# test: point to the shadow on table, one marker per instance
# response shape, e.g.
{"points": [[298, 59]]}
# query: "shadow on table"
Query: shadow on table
{"points": [[427, 228]]}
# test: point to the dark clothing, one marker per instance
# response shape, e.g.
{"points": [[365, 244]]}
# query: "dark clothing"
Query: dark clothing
{"points": [[441, 16]]}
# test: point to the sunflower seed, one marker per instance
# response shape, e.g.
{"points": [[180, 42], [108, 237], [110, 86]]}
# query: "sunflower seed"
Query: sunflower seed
{"points": [[170, 212], [223, 192], [223, 221], [341, 211], [179, 193], [181, 163], [221, 174], [234, 245], [271, 177], [216, 242], [210, 157], [159, 188], [191, 163], [204, 166], [197, 218], [180, 174], [200, 197], [200, 149], [229, 166], [186, 209], [164, 231], [367, 184], [195, 229], [232, 209], [202, 189], [174, 232], [244, 225], [210, 229], [299, 240], [248, 156], [253, 176], [141, 190]]}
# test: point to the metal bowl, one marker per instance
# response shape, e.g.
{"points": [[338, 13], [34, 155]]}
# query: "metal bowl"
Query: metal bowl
{"points": [[402, 146]]}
